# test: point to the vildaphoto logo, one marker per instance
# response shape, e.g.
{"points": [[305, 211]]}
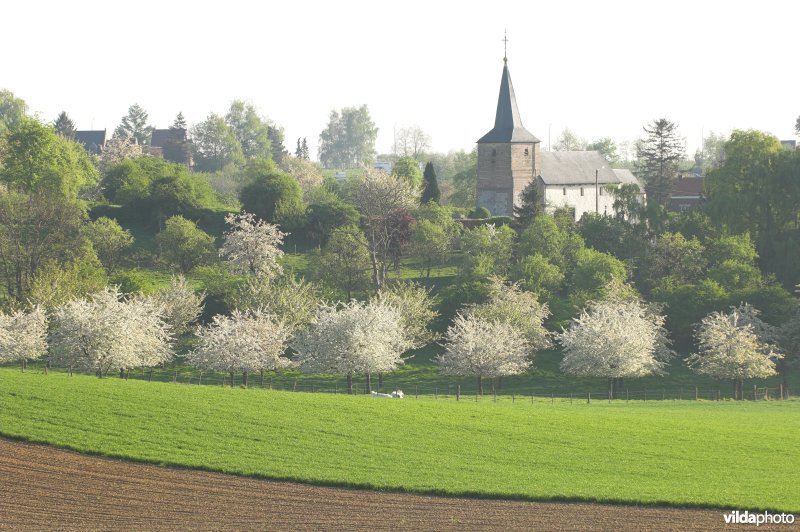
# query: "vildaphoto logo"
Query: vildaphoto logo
{"points": [[753, 518]]}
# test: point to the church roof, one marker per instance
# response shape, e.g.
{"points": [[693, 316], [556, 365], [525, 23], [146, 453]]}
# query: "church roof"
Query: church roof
{"points": [[507, 122], [576, 168]]}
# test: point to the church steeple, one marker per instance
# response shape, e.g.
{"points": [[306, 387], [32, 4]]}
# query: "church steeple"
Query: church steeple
{"points": [[507, 123]]}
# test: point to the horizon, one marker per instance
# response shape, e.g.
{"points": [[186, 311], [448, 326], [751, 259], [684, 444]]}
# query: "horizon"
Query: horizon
{"points": [[709, 79]]}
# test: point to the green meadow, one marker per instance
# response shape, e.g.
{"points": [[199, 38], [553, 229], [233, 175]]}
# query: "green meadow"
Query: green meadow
{"points": [[719, 454]]}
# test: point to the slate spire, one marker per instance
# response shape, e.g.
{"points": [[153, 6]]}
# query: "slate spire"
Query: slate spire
{"points": [[507, 122]]}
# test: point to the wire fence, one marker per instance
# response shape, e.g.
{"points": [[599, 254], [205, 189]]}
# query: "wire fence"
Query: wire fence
{"points": [[443, 391]]}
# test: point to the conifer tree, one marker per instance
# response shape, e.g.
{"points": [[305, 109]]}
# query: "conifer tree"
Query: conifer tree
{"points": [[430, 191], [180, 122], [65, 126], [660, 154], [531, 206], [134, 125]]}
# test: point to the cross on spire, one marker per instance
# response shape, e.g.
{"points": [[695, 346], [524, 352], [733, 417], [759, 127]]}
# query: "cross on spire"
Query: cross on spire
{"points": [[505, 46]]}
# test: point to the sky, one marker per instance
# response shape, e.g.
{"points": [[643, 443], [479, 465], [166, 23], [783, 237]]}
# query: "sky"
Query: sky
{"points": [[602, 69]]}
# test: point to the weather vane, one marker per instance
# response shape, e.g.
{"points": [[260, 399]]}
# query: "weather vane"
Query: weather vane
{"points": [[505, 46]]}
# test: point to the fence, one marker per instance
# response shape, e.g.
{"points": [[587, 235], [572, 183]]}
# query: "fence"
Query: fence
{"points": [[443, 391]]}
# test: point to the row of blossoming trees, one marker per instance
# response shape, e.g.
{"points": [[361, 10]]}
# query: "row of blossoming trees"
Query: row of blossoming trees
{"points": [[280, 323]]}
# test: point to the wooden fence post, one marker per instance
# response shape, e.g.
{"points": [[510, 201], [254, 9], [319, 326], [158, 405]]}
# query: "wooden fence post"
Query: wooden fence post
{"points": [[458, 393], [589, 398], [695, 393]]}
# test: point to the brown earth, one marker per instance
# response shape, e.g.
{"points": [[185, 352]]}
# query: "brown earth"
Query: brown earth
{"points": [[43, 487]]}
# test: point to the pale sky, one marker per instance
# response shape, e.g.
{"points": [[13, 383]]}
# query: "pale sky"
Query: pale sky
{"points": [[599, 68]]}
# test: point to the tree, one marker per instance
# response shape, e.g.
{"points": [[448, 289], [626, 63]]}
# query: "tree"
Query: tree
{"points": [[569, 141], [180, 122], [539, 275], [430, 190], [382, 199], [531, 205], [134, 126], [252, 246], [353, 338], [465, 181], [242, 342], [180, 306], [407, 168], [108, 239], [183, 244], [676, 257], [250, 130], [607, 148], [345, 263], [276, 136], [64, 126], [729, 348], [37, 160], [58, 282], [713, 153], [509, 304], [23, 335], [36, 229], [660, 154], [482, 348], [325, 217], [118, 149], [302, 149], [108, 331], [617, 337], [215, 145], [486, 251], [628, 202], [304, 171], [789, 341], [431, 243], [411, 142], [293, 302], [415, 305], [543, 236], [12, 110], [595, 269], [271, 194], [797, 126], [349, 139]]}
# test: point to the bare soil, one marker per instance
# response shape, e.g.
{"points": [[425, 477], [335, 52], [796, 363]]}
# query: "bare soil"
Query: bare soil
{"points": [[43, 487]]}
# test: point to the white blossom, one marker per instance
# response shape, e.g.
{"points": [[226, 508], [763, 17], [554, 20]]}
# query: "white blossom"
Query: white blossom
{"points": [[353, 338], [615, 338], [730, 348], [180, 305], [520, 309], [23, 335], [252, 246], [108, 331], [414, 304], [484, 348], [242, 342]]}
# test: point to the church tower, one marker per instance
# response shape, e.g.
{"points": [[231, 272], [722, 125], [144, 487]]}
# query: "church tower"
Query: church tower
{"points": [[508, 155]]}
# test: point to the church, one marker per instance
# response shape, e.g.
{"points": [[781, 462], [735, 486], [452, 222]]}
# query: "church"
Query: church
{"points": [[510, 157]]}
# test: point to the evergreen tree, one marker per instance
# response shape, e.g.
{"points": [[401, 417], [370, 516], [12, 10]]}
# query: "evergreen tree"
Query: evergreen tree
{"points": [[180, 122], [298, 152], [305, 155], [65, 126], [275, 135], [660, 154], [430, 192], [134, 125], [530, 207]]}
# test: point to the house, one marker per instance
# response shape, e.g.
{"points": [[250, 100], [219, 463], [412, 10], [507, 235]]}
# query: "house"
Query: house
{"points": [[510, 157], [687, 194], [170, 144], [92, 140]]}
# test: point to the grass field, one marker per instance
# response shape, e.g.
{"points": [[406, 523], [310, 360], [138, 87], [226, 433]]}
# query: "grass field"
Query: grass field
{"points": [[684, 453]]}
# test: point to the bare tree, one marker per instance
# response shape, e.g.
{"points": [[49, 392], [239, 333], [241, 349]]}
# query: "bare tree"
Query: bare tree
{"points": [[411, 141]]}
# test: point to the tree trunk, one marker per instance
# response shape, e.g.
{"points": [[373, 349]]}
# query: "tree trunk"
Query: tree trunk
{"points": [[785, 385], [121, 373], [380, 380], [480, 385], [610, 388], [244, 378], [24, 364], [231, 379], [369, 383], [350, 383]]}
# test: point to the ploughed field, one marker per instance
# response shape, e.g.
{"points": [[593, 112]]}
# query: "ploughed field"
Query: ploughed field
{"points": [[664, 453], [48, 488]]}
